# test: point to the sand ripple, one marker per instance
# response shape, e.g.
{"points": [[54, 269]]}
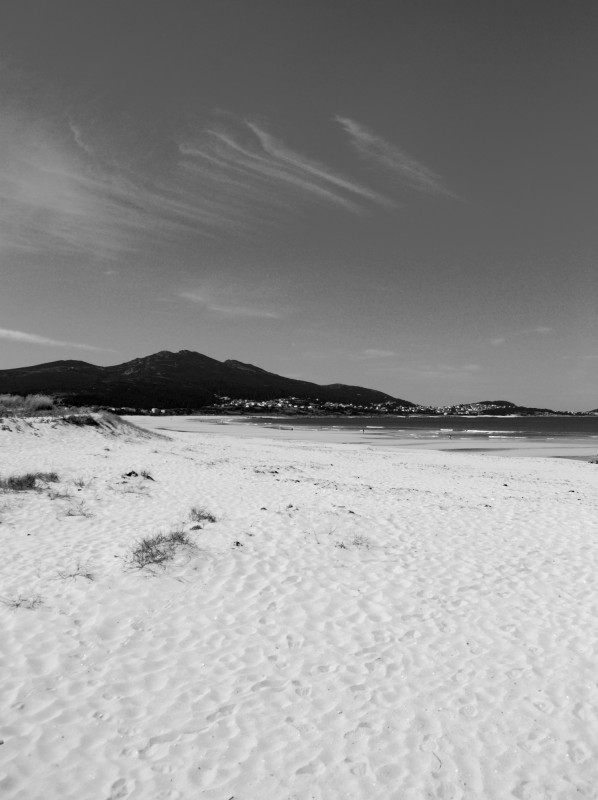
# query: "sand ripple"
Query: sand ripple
{"points": [[356, 624]]}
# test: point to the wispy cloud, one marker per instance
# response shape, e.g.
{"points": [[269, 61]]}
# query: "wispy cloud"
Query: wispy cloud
{"points": [[33, 338], [402, 166], [541, 330], [229, 309], [431, 371], [70, 185], [447, 371], [242, 161], [374, 353], [56, 198]]}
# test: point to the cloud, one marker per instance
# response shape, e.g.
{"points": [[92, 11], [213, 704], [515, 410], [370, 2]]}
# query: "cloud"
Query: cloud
{"points": [[246, 165], [33, 338], [448, 371], [439, 372], [539, 329], [230, 309], [79, 181], [542, 330], [372, 352], [56, 199], [386, 155]]}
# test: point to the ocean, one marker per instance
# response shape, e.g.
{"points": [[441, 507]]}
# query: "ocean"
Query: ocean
{"points": [[447, 428]]}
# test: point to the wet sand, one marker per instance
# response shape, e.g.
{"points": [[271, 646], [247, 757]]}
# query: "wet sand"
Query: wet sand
{"points": [[569, 447]]}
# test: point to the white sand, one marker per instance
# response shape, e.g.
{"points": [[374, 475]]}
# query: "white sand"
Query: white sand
{"points": [[391, 624]]}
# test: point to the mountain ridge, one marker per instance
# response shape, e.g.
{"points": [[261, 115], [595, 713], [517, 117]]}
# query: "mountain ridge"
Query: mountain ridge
{"points": [[173, 380]]}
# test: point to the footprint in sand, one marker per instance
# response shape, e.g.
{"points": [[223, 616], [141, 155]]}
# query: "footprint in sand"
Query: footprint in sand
{"points": [[362, 731], [305, 727], [300, 689], [470, 711], [545, 706], [578, 752], [380, 636], [118, 790], [535, 742], [446, 790], [267, 684], [294, 643], [308, 769], [359, 769], [526, 791], [429, 744], [223, 711], [325, 668], [389, 773]]}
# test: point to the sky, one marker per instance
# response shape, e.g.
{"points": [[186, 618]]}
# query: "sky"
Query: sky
{"points": [[396, 194]]}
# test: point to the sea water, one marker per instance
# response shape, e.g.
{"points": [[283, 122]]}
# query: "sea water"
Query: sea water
{"points": [[462, 428]]}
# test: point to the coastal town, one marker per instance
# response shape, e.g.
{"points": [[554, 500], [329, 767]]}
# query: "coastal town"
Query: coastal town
{"points": [[296, 406]]}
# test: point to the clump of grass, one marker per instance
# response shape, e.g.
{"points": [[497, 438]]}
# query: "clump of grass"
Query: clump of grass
{"points": [[27, 482], [24, 601], [200, 514], [143, 474], [19, 406], [56, 494], [157, 550], [79, 570], [120, 425], [81, 420], [77, 509]]}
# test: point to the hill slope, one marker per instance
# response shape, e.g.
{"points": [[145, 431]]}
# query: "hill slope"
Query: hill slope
{"points": [[171, 380]]}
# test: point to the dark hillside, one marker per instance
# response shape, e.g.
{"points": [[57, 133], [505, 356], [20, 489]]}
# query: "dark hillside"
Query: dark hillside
{"points": [[172, 380]]}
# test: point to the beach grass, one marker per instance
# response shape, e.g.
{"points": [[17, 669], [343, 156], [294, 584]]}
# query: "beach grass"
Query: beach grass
{"points": [[27, 482], [157, 550]]}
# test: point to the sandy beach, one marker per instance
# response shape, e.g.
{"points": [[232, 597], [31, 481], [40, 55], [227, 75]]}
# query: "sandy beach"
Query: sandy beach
{"points": [[582, 447], [356, 622]]}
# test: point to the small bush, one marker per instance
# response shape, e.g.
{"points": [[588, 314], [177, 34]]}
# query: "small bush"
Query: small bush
{"points": [[77, 509], [30, 405], [200, 514], [38, 402], [143, 474], [80, 570], [24, 601], [27, 482], [156, 550]]}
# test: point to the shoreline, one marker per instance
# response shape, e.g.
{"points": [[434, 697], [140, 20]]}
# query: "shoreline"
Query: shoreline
{"points": [[576, 448]]}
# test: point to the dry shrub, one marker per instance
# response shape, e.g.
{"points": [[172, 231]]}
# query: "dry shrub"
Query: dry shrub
{"points": [[200, 514], [156, 550], [23, 601], [27, 482], [32, 404]]}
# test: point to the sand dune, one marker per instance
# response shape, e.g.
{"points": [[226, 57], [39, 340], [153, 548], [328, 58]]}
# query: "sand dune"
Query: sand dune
{"points": [[356, 623]]}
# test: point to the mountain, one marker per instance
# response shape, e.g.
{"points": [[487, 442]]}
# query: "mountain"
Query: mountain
{"points": [[172, 380]]}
